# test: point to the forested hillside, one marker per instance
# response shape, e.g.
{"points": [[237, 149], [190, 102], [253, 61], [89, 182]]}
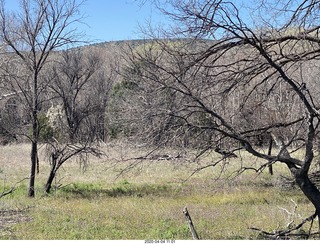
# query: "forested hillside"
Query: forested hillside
{"points": [[86, 92], [103, 92]]}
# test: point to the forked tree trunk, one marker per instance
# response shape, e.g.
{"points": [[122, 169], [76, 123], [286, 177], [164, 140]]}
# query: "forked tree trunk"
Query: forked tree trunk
{"points": [[301, 177]]}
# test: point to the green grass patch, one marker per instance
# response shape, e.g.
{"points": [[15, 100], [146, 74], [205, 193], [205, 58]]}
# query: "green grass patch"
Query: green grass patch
{"points": [[103, 216], [146, 203], [121, 189]]}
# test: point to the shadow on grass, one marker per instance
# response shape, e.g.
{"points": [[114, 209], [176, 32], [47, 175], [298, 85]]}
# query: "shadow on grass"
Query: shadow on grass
{"points": [[124, 188]]}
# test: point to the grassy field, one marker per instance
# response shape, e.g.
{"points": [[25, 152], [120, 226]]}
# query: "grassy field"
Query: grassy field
{"points": [[145, 202]]}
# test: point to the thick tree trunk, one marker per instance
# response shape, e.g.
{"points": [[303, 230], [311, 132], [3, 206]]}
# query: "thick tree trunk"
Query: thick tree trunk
{"points": [[309, 190], [34, 157], [34, 152], [35, 132]]}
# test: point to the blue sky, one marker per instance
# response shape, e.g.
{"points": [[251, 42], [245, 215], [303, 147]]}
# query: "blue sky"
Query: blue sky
{"points": [[112, 20]]}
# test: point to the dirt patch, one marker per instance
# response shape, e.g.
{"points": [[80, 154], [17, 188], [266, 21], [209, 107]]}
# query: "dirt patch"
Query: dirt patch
{"points": [[10, 217]]}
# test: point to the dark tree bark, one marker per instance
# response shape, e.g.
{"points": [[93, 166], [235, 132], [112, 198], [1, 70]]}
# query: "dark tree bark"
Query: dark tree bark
{"points": [[49, 181], [54, 168]]}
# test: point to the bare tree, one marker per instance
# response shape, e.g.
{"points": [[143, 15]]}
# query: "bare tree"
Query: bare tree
{"points": [[59, 153], [80, 83], [142, 104], [80, 87], [31, 36], [241, 75], [101, 93], [72, 81]]}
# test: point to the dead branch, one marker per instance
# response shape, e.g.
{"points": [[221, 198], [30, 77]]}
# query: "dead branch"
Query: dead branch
{"points": [[12, 189], [288, 232]]}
